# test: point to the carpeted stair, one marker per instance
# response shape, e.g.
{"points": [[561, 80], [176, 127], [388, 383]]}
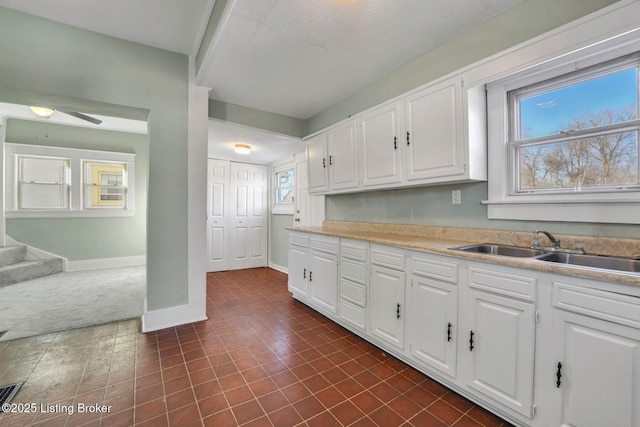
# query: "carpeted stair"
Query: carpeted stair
{"points": [[15, 267]]}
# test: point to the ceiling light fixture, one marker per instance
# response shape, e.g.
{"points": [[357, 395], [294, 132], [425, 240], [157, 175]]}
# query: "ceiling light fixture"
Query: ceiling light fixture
{"points": [[242, 149], [42, 112]]}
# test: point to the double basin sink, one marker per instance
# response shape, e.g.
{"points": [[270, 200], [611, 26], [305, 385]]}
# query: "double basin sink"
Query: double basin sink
{"points": [[603, 262]]}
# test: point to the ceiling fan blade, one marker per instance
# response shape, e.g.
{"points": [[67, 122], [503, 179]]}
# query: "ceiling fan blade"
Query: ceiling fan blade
{"points": [[82, 116]]}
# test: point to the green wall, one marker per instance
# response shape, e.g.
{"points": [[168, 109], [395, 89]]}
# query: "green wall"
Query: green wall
{"points": [[432, 206], [93, 73], [278, 246], [84, 238]]}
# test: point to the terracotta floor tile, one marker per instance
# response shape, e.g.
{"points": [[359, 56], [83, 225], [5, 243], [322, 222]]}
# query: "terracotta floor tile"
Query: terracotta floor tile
{"points": [[262, 359]]}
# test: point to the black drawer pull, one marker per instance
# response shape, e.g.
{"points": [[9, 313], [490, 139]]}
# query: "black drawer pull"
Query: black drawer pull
{"points": [[471, 341], [448, 331], [559, 375]]}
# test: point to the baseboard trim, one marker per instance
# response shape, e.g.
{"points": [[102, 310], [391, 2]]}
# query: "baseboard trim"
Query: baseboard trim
{"points": [[280, 268], [170, 317], [97, 263]]}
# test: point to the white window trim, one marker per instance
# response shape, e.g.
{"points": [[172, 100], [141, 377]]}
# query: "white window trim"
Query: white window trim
{"points": [[76, 157], [622, 207], [282, 209]]}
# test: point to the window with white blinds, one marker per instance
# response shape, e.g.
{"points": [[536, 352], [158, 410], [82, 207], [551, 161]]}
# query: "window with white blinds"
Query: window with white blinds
{"points": [[43, 183]]}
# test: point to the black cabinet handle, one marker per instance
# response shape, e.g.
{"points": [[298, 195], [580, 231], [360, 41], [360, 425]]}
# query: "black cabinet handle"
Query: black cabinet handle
{"points": [[304, 273], [471, 341], [398, 311], [310, 279], [559, 375], [448, 331], [324, 162], [330, 160], [395, 142], [408, 140]]}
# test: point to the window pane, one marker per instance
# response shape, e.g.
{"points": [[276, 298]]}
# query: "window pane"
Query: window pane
{"points": [[608, 99], [601, 161], [107, 185], [43, 183], [43, 196], [284, 195]]}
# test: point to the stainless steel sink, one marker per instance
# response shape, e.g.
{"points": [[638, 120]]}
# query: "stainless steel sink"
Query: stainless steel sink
{"points": [[504, 250], [593, 261]]}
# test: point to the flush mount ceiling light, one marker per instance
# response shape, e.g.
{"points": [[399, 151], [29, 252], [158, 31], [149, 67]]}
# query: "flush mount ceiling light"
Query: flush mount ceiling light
{"points": [[42, 112], [242, 149]]}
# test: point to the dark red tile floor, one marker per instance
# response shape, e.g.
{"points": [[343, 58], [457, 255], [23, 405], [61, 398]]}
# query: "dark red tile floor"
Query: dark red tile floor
{"points": [[262, 359]]}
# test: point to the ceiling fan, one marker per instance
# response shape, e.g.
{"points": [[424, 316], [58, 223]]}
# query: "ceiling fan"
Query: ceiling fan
{"points": [[45, 113]]}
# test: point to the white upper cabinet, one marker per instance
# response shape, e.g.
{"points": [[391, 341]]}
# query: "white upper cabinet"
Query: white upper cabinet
{"points": [[343, 157], [434, 136], [381, 146], [317, 162]]}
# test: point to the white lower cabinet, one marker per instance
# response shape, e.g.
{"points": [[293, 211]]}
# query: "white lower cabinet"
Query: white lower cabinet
{"points": [[387, 308], [354, 283], [497, 337], [432, 322], [539, 349], [313, 271], [596, 357]]}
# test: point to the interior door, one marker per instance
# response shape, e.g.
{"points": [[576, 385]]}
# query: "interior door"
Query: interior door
{"points": [[309, 209], [249, 216], [218, 180]]}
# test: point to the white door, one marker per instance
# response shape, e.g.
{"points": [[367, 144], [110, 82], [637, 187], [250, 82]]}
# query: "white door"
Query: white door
{"points": [[434, 137], [343, 157], [298, 282], [434, 313], [387, 305], [249, 216], [381, 146], [218, 220], [309, 210], [323, 279], [318, 164], [500, 338], [598, 380]]}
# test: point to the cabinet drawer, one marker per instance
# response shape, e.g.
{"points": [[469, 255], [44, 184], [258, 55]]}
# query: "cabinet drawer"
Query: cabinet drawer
{"points": [[446, 271], [353, 270], [385, 258], [353, 292], [618, 308], [513, 285], [298, 239], [354, 250], [324, 244], [353, 314]]}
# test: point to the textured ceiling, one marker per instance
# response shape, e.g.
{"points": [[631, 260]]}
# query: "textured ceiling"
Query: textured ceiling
{"points": [[299, 57]]}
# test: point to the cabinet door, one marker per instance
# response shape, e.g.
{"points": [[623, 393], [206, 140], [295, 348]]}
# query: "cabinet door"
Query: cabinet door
{"points": [[500, 337], [599, 375], [298, 271], [343, 157], [434, 136], [318, 163], [387, 305], [323, 280], [433, 323], [381, 146]]}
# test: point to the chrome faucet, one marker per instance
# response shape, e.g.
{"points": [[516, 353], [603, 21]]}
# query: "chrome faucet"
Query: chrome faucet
{"points": [[555, 242]]}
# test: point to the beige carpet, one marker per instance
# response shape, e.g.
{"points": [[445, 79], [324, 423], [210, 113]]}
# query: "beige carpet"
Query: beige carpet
{"points": [[71, 300]]}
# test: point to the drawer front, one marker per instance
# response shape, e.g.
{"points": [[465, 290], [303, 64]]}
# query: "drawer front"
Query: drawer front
{"points": [[618, 308], [385, 258], [512, 285], [353, 292], [354, 250], [354, 315], [353, 270], [445, 271], [298, 239], [324, 244]]}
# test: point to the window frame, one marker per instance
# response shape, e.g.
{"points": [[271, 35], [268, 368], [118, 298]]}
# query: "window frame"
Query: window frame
{"points": [[283, 208], [583, 206], [77, 159]]}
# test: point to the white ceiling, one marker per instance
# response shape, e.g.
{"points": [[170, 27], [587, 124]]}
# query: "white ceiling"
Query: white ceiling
{"points": [[290, 57], [299, 57]]}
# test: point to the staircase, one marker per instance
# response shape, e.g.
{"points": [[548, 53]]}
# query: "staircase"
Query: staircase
{"points": [[15, 267]]}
